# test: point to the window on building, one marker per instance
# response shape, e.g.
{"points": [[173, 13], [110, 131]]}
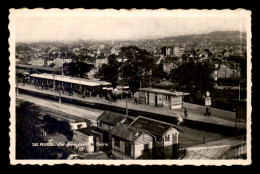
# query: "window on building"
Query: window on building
{"points": [[165, 97], [167, 138], [146, 147], [128, 148], [224, 73], [117, 142], [100, 124], [216, 65], [216, 72]]}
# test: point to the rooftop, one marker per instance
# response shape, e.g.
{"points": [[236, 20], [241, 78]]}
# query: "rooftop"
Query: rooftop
{"points": [[126, 132], [69, 79], [85, 131], [209, 153], [155, 127], [212, 150], [163, 91], [111, 117]]}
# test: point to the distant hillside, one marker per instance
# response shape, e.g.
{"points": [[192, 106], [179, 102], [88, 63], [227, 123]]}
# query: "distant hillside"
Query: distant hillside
{"points": [[213, 35]]}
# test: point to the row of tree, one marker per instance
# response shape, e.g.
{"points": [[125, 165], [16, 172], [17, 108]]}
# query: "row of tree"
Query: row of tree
{"points": [[132, 67], [137, 68]]}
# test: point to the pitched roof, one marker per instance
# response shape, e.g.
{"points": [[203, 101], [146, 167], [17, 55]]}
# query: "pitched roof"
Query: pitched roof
{"points": [[126, 132], [111, 117], [85, 131], [211, 150], [155, 127]]}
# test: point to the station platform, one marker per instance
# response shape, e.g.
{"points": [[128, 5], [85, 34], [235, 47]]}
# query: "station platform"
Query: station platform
{"points": [[219, 119]]}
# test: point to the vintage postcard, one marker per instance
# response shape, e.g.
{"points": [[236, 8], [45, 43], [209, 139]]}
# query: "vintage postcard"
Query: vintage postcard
{"points": [[145, 87]]}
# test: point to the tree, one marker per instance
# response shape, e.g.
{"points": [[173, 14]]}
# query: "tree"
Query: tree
{"points": [[79, 69], [193, 75], [158, 73], [109, 72], [28, 132], [138, 66], [55, 126]]}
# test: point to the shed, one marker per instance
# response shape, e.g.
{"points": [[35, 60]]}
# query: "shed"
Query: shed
{"points": [[131, 143], [162, 98]]}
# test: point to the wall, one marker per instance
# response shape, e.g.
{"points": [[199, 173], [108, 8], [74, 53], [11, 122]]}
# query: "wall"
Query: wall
{"points": [[36, 62], [99, 62], [176, 51], [58, 62], [151, 98], [75, 126], [230, 72], [173, 135], [139, 145], [105, 126], [166, 101], [159, 99], [176, 102], [119, 152], [79, 137]]}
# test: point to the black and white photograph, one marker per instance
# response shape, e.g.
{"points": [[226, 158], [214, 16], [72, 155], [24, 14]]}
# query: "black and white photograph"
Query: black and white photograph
{"points": [[146, 87]]}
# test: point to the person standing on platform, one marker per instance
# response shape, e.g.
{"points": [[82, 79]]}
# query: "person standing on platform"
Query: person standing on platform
{"points": [[135, 101], [207, 103], [185, 113], [42, 86]]}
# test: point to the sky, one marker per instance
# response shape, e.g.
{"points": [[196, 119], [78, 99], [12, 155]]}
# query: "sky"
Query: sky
{"points": [[33, 29]]}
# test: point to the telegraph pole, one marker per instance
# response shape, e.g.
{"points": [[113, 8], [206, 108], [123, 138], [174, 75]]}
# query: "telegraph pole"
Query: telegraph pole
{"points": [[126, 107], [59, 96]]}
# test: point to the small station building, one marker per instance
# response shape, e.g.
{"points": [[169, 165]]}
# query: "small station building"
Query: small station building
{"points": [[161, 97]]}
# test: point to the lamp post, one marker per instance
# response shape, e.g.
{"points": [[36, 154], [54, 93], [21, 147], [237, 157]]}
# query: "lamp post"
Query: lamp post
{"points": [[126, 110]]}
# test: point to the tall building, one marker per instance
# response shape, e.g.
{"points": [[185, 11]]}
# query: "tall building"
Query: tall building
{"points": [[176, 51], [169, 51]]}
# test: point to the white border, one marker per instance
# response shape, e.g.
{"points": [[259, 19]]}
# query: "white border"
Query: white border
{"points": [[14, 13]]}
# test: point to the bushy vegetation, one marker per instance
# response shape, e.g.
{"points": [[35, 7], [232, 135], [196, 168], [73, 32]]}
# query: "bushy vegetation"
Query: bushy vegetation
{"points": [[29, 132]]}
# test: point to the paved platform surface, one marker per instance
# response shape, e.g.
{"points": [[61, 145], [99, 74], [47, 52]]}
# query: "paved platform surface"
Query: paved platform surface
{"points": [[196, 113]]}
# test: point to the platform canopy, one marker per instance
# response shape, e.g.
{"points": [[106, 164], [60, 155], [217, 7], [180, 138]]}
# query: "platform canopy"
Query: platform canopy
{"points": [[43, 76], [66, 79], [75, 80]]}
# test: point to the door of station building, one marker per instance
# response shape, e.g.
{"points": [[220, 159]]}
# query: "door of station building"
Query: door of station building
{"points": [[155, 100]]}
